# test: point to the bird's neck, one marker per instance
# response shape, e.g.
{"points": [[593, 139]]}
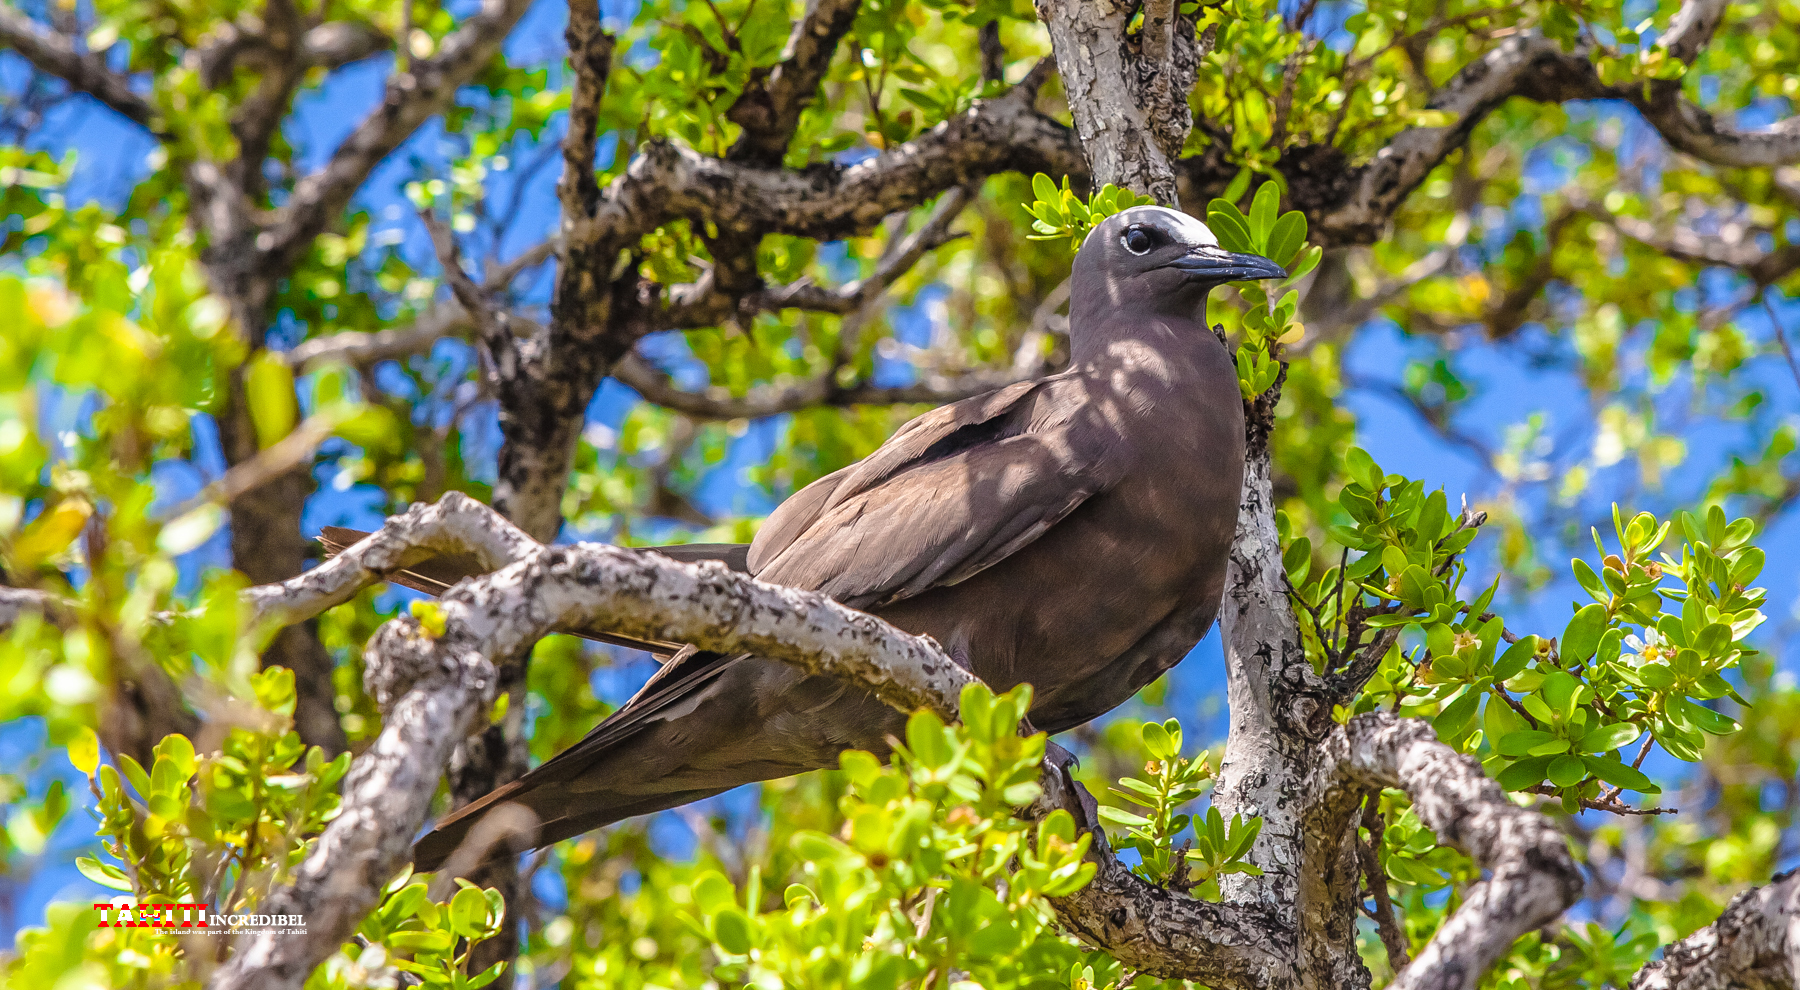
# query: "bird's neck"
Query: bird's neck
{"points": [[1104, 312], [1180, 340]]}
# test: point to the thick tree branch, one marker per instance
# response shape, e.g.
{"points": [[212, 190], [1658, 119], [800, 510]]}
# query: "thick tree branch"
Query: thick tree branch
{"points": [[769, 109], [87, 72], [832, 201], [590, 52], [1129, 107], [1692, 27], [544, 383], [1755, 944], [1531, 875], [1525, 64], [324, 46]]}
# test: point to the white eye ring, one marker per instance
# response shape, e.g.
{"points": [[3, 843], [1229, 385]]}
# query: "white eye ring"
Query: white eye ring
{"points": [[1137, 235]]}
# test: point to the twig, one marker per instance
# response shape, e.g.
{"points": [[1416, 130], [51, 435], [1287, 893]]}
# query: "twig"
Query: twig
{"points": [[1599, 804], [290, 452], [1393, 937], [1787, 350]]}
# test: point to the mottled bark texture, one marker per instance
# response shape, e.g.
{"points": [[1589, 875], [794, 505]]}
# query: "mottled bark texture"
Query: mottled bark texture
{"points": [[1754, 945], [1127, 92]]}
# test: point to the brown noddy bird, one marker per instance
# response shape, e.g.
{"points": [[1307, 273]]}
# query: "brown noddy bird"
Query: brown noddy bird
{"points": [[1070, 531]]}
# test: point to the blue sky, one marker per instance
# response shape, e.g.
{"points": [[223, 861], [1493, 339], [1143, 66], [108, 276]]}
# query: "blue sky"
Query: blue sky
{"points": [[1530, 375]]}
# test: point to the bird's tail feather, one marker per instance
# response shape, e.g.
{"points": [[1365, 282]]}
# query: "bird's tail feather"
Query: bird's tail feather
{"points": [[553, 824]]}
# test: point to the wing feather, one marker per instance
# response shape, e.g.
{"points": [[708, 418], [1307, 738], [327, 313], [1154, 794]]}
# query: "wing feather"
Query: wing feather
{"points": [[944, 500]]}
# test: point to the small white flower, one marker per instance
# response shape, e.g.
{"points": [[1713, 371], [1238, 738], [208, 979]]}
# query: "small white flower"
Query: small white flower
{"points": [[1652, 647]]}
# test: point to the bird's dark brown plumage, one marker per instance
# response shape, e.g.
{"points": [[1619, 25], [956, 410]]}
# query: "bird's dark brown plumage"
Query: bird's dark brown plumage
{"points": [[1071, 532]]}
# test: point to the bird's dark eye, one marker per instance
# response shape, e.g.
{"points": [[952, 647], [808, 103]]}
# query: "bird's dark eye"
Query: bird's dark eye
{"points": [[1137, 241]]}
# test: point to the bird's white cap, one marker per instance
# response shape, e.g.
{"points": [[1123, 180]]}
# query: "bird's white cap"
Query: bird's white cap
{"points": [[1189, 230]]}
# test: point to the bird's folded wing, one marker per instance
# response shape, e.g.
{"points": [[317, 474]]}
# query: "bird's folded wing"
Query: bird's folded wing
{"points": [[941, 502]]}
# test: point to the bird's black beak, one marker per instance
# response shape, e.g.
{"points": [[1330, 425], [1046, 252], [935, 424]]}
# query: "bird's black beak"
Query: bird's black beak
{"points": [[1219, 265]]}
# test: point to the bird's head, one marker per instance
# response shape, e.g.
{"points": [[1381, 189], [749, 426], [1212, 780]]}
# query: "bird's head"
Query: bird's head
{"points": [[1160, 260]]}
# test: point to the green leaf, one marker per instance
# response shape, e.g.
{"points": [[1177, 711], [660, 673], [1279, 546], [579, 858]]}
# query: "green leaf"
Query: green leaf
{"points": [[1706, 719], [1263, 211], [731, 929], [1239, 184], [1590, 582], [134, 773], [1620, 774], [1567, 770], [1524, 773], [469, 913], [1456, 718], [713, 893], [1229, 226], [485, 977], [1582, 635], [1515, 658], [1362, 468], [926, 738], [1521, 743], [269, 386], [84, 750], [1606, 738], [1119, 816], [1287, 238], [1157, 742], [104, 874]]}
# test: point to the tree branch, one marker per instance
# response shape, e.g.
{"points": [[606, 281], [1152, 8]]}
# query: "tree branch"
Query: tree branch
{"points": [[769, 109], [1523, 64], [1754, 944], [16, 602], [1231, 946], [703, 304], [330, 45], [445, 318], [87, 72], [1734, 246], [831, 201], [1532, 877], [425, 89], [1130, 108]]}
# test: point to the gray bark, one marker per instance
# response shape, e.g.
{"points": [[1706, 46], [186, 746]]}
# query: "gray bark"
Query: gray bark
{"points": [[1755, 945], [1128, 95]]}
